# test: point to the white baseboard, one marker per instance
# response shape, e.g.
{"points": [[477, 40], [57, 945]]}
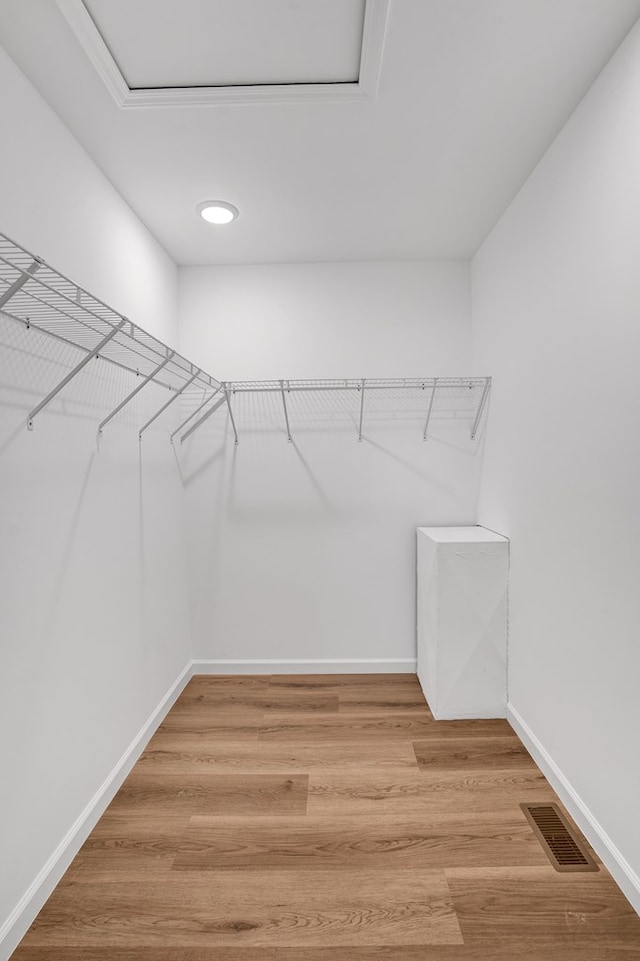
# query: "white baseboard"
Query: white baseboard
{"points": [[329, 665], [24, 913], [600, 841], [17, 924]]}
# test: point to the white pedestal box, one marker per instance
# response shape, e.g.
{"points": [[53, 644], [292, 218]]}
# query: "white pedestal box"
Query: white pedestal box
{"points": [[462, 621]]}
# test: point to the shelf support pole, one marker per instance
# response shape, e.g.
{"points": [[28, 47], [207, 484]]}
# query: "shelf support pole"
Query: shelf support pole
{"points": [[133, 393], [204, 417], [193, 413], [433, 394], [169, 402], [361, 389], [286, 414], [19, 283], [76, 370], [481, 405], [233, 423]]}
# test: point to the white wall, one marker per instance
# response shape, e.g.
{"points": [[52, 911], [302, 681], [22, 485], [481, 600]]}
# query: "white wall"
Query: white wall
{"points": [[307, 550], [58, 204], [94, 608], [556, 312]]}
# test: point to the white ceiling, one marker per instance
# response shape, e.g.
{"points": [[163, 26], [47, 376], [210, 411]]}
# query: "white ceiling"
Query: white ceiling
{"points": [[164, 43], [471, 94]]}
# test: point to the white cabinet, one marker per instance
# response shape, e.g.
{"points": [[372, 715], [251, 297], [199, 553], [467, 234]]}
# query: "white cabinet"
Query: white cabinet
{"points": [[462, 621]]}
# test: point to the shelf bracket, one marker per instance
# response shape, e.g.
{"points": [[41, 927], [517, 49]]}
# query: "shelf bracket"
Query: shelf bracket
{"points": [[361, 410], [133, 393], [233, 423], [19, 283], [76, 370], [286, 413], [481, 406], [193, 413], [433, 394], [169, 402], [204, 417]]}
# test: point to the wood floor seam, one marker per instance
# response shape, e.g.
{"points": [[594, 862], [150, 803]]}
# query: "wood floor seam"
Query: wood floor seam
{"points": [[326, 818]]}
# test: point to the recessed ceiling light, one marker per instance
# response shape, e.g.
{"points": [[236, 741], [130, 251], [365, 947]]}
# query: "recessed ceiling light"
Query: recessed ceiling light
{"points": [[217, 211]]}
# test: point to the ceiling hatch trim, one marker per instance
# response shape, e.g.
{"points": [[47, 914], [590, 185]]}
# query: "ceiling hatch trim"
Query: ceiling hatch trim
{"points": [[366, 87]]}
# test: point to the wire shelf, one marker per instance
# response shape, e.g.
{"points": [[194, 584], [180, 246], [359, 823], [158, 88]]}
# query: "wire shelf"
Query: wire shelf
{"points": [[384, 399], [34, 294], [371, 383], [37, 296]]}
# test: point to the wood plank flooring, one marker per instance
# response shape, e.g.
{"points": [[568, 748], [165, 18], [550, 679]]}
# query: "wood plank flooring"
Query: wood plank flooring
{"points": [[326, 818]]}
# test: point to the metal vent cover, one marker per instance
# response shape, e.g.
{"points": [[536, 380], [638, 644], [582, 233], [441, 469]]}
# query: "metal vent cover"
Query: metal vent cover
{"points": [[559, 841]]}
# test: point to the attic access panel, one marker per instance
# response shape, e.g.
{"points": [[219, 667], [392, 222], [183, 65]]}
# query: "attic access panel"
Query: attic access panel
{"points": [[179, 52]]}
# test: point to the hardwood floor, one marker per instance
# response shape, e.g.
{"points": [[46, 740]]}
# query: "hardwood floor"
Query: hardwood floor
{"points": [[326, 818]]}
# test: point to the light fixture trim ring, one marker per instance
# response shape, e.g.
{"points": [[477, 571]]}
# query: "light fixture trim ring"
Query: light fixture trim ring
{"points": [[219, 205]]}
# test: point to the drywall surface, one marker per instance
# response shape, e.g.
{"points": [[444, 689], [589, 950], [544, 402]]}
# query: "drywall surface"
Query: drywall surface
{"points": [[57, 203], [306, 551], [556, 307], [94, 616]]}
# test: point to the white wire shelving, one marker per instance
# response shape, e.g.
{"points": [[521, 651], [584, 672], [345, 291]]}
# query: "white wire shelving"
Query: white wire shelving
{"points": [[34, 294], [459, 396]]}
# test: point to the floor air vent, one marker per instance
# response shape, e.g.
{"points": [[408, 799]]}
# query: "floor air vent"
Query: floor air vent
{"points": [[565, 851]]}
